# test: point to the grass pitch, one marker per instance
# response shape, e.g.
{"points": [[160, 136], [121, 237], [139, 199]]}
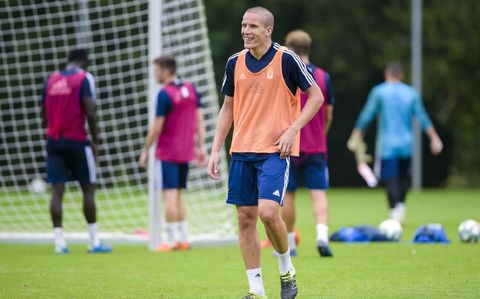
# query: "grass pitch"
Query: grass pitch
{"points": [[401, 270]]}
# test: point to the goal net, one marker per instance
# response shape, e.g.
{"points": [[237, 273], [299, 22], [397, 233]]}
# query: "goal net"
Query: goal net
{"points": [[122, 37]]}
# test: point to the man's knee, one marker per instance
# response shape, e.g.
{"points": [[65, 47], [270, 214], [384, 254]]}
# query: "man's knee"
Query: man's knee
{"points": [[247, 217], [269, 213]]}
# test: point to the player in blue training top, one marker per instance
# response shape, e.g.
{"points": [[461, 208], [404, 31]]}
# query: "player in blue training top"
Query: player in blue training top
{"points": [[68, 102], [396, 104]]}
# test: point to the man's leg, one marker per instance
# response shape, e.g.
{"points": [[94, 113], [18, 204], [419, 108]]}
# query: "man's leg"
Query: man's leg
{"points": [[269, 213], [250, 247], [288, 216], [172, 215], [320, 213], [90, 212], [182, 224], [56, 213]]}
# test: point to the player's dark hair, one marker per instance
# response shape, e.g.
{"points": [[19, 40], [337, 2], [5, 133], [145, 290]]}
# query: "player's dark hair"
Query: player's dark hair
{"points": [[79, 56], [395, 68], [167, 62]]}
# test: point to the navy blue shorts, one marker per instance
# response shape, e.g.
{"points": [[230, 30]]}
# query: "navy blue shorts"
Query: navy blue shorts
{"points": [[309, 170], [395, 168], [251, 180], [70, 160], [171, 175]]}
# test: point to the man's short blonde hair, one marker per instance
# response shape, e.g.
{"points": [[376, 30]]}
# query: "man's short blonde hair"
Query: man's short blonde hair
{"points": [[299, 41]]}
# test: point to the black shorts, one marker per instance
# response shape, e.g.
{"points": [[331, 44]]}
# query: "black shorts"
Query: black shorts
{"points": [[70, 160]]}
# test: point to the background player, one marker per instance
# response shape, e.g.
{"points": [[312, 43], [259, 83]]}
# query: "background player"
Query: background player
{"points": [[260, 87], [178, 125], [396, 104], [311, 166], [68, 101]]}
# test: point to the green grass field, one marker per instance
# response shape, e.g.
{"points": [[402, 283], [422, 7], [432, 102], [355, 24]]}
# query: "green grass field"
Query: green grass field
{"points": [[399, 270]]}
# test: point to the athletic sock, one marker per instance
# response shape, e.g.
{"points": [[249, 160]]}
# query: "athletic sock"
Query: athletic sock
{"points": [[182, 231], [171, 235], [398, 213], [285, 262], [58, 237], [93, 233], [291, 241], [322, 232], [255, 281]]}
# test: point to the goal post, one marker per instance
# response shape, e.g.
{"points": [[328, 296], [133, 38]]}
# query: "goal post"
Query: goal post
{"points": [[123, 37]]}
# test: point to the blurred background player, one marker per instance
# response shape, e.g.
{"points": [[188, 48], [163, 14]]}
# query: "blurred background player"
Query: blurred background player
{"points": [[178, 125], [68, 101], [396, 104], [311, 166], [262, 99]]}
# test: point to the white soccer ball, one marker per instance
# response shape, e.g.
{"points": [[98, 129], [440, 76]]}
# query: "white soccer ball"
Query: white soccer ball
{"points": [[469, 231], [38, 186], [392, 229]]}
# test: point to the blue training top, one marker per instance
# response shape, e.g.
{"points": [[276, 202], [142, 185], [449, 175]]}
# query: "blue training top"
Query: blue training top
{"points": [[396, 104]]}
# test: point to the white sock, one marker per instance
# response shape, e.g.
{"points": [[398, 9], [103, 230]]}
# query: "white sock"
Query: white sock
{"points": [[182, 231], [171, 235], [291, 241], [255, 281], [58, 237], [93, 233], [398, 213], [285, 262], [322, 232]]}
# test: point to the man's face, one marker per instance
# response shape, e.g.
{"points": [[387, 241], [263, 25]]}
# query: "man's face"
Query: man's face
{"points": [[159, 73], [254, 31]]}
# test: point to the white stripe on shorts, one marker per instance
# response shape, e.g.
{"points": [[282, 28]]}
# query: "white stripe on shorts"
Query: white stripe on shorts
{"points": [[92, 170], [159, 178], [285, 179]]}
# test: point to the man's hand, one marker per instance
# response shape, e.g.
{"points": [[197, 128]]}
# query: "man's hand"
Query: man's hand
{"points": [[95, 151], [213, 171], [285, 142], [143, 159], [436, 145], [356, 145], [201, 156]]}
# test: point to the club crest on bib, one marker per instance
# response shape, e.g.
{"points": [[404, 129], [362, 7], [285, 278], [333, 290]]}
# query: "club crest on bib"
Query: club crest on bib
{"points": [[270, 73]]}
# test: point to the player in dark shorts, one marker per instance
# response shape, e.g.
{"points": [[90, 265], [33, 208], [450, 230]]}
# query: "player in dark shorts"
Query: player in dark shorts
{"points": [[68, 102]]}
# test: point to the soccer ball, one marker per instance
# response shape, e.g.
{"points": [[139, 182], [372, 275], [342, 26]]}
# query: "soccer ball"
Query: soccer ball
{"points": [[392, 229], [38, 186], [469, 231]]}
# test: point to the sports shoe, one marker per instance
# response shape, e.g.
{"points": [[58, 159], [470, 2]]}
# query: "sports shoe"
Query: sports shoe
{"points": [[102, 248], [61, 250], [324, 249], [253, 296], [266, 244], [182, 246], [165, 247], [288, 284]]}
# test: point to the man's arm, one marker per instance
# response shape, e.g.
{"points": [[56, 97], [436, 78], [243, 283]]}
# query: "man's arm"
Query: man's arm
{"points": [[313, 104], [152, 135], [436, 145], [201, 151], [90, 108], [328, 117], [224, 123]]}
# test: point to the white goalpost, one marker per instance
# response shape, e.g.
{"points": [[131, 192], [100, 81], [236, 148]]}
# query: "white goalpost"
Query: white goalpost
{"points": [[123, 37]]}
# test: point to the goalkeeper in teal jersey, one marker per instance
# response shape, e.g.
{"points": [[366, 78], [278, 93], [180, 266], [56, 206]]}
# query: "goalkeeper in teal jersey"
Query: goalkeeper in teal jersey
{"points": [[395, 104]]}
